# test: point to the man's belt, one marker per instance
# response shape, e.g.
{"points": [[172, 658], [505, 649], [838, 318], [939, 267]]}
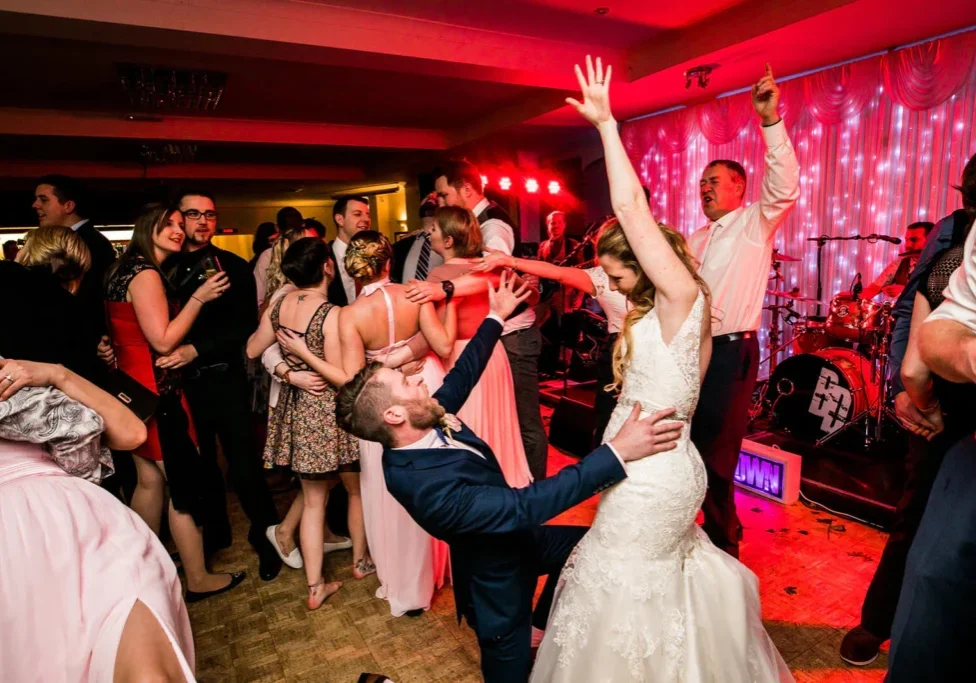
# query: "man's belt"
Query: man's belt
{"points": [[734, 336]]}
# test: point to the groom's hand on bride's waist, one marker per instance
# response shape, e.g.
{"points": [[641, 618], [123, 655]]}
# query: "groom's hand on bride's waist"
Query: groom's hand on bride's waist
{"points": [[640, 438]]}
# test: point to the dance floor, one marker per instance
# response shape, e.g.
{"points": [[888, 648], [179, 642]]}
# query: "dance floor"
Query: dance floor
{"points": [[813, 570]]}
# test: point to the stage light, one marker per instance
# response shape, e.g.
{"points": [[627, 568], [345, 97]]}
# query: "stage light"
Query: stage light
{"points": [[531, 185], [484, 180], [505, 183], [554, 187]]}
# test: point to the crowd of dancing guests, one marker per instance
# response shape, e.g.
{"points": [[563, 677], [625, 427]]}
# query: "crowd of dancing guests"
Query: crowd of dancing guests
{"points": [[170, 330]]}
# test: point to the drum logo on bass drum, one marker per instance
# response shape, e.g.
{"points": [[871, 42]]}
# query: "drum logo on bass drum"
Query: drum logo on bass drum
{"points": [[831, 401]]}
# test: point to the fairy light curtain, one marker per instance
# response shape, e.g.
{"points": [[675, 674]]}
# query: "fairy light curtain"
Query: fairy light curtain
{"points": [[879, 143]]}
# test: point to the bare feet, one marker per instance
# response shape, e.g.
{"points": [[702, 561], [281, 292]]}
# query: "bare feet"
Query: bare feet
{"points": [[320, 592], [363, 568]]}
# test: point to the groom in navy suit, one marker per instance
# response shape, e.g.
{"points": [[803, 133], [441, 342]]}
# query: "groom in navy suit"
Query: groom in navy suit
{"points": [[450, 482]]}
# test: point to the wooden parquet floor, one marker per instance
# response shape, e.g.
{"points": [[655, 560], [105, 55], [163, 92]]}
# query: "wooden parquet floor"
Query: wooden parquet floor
{"points": [[813, 570]]}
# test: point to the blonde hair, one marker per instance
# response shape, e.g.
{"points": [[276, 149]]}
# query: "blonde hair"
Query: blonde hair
{"points": [[58, 250], [461, 226], [367, 255], [275, 278], [613, 242]]}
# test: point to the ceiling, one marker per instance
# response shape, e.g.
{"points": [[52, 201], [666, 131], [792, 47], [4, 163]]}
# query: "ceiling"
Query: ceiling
{"points": [[345, 91]]}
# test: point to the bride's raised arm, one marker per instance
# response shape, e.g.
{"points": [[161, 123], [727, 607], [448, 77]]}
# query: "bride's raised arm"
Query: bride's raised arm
{"points": [[656, 257]]}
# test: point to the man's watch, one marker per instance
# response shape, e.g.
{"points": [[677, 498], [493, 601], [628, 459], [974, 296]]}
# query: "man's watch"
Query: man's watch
{"points": [[448, 288]]}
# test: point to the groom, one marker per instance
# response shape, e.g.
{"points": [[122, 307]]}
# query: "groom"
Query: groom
{"points": [[450, 482]]}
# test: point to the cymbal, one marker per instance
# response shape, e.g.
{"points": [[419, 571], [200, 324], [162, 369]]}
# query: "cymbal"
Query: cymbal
{"points": [[786, 258], [795, 296]]}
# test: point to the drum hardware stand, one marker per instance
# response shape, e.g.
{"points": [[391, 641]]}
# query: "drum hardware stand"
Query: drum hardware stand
{"points": [[881, 407]]}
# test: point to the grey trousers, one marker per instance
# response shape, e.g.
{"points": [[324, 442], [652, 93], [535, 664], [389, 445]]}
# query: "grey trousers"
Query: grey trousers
{"points": [[523, 348]]}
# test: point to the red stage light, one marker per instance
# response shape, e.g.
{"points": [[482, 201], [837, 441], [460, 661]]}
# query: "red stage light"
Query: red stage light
{"points": [[554, 187], [505, 183], [531, 185], [484, 180]]}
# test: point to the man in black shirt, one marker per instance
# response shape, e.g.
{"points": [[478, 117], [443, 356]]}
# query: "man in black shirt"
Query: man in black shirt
{"points": [[215, 380]]}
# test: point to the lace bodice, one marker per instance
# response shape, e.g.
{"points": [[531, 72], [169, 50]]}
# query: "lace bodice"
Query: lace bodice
{"points": [[665, 376]]}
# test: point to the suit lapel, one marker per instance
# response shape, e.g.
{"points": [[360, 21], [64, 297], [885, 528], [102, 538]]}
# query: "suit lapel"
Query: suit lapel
{"points": [[469, 438]]}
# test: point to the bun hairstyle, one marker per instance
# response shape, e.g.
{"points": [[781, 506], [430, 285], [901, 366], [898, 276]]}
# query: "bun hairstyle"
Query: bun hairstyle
{"points": [[461, 226], [613, 242], [276, 278], [304, 261], [57, 250], [367, 255]]}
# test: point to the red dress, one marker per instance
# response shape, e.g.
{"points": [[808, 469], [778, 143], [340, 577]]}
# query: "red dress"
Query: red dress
{"points": [[135, 356]]}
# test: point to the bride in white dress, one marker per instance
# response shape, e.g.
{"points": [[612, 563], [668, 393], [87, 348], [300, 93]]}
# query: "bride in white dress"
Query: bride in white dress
{"points": [[645, 595]]}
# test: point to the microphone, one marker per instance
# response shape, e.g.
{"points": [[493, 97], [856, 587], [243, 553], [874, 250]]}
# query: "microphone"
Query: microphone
{"points": [[883, 238]]}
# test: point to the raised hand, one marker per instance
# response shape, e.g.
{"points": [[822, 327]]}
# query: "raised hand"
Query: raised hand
{"points": [[503, 300], [638, 438], [765, 97], [595, 88], [212, 288]]}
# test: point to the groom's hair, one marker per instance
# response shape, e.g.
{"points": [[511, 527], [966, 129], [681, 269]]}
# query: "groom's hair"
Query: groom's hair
{"points": [[361, 403]]}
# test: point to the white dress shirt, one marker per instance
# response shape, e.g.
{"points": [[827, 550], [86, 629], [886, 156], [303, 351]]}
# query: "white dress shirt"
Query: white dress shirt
{"points": [[499, 235], [79, 224], [735, 251], [339, 249], [960, 293], [495, 234], [614, 304]]}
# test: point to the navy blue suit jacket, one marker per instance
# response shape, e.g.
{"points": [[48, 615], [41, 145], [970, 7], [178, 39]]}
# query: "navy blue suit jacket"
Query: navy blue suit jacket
{"points": [[463, 499]]}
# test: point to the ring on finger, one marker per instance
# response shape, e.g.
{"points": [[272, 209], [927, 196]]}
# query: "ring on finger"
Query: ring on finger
{"points": [[8, 378]]}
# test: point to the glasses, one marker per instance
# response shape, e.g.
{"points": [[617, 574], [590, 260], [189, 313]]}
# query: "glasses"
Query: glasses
{"points": [[193, 215]]}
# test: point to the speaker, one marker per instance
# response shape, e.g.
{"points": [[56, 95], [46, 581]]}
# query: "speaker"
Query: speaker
{"points": [[571, 427]]}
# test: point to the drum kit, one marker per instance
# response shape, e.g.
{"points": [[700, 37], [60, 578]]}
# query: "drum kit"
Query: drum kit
{"points": [[834, 378]]}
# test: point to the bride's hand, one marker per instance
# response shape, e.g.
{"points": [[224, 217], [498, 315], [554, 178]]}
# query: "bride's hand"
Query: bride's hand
{"points": [[595, 88]]}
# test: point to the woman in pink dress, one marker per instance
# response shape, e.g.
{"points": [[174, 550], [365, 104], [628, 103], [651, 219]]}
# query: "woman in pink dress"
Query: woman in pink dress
{"points": [[87, 592], [380, 326], [490, 409]]}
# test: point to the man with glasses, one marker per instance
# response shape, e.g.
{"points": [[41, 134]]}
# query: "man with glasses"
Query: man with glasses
{"points": [[215, 380]]}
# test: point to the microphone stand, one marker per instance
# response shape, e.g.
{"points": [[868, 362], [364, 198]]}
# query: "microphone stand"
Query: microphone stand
{"points": [[822, 242]]}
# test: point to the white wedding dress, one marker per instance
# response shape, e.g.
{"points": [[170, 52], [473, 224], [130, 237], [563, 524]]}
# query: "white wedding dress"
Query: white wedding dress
{"points": [[646, 596]]}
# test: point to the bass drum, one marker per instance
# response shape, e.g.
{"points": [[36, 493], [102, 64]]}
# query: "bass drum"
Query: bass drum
{"points": [[815, 394]]}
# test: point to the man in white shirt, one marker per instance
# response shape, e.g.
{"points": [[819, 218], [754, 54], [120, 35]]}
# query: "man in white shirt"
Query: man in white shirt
{"points": [[413, 257], [735, 250], [934, 630], [61, 200], [351, 214], [458, 183]]}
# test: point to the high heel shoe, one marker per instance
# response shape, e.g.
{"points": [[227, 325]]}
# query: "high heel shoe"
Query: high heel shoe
{"points": [[313, 602], [235, 580]]}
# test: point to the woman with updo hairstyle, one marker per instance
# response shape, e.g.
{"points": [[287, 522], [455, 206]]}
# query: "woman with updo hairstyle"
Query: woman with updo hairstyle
{"points": [[490, 410], [268, 276], [383, 325], [302, 431]]}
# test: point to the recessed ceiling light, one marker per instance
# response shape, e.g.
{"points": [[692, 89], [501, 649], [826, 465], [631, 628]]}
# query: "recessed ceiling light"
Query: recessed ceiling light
{"points": [[602, 10]]}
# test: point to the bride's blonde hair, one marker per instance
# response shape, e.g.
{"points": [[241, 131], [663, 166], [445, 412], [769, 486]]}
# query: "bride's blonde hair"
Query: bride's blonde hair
{"points": [[612, 242]]}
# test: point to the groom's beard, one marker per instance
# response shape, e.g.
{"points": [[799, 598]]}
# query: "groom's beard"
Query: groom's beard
{"points": [[425, 414]]}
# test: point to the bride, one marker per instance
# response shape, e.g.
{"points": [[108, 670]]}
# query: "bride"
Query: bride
{"points": [[645, 595]]}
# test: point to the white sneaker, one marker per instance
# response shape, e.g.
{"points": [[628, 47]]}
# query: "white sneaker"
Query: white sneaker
{"points": [[333, 547], [292, 559]]}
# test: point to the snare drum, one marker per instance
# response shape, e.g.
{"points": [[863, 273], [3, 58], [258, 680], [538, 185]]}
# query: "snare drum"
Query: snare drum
{"points": [[810, 335], [815, 394], [852, 319]]}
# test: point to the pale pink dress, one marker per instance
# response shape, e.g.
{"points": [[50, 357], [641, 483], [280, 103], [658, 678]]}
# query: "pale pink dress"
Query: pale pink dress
{"points": [[490, 410], [75, 560], [410, 564]]}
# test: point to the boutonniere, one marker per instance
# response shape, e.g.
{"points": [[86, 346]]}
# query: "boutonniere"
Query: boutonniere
{"points": [[450, 423]]}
